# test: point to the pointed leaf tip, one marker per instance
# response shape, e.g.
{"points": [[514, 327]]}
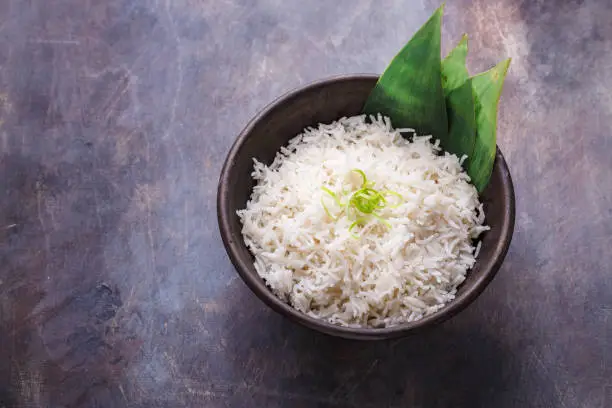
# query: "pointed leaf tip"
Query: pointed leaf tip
{"points": [[454, 71], [487, 88], [410, 91], [459, 101]]}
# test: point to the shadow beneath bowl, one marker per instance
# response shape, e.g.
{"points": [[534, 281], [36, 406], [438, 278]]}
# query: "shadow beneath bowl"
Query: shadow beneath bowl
{"points": [[460, 363]]}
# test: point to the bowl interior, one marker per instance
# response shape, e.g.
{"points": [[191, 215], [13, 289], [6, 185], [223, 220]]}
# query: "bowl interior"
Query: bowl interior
{"points": [[324, 102]]}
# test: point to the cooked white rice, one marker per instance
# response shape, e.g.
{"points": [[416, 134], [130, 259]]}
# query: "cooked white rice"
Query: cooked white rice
{"points": [[386, 276]]}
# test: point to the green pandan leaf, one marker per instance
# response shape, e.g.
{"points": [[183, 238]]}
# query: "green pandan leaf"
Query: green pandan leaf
{"points": [[454, 70], [459, 102], [410, 89], [487, 89], [461, 121]]}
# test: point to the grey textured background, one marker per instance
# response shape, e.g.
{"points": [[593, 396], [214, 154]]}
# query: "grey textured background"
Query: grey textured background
{"points": [[115, 290]]}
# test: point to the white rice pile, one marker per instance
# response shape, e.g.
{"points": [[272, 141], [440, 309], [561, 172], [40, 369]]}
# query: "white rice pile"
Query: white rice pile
{"points": [[386, 276]]}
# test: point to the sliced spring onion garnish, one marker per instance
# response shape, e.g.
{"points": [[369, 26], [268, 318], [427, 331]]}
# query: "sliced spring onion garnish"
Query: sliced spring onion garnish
{"points": [[363, 176], [357, 222], [361, 203], [367, 200], [334, 196], [329, 214]]}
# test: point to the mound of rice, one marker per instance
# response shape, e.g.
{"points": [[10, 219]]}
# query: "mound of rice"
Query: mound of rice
{"points": [[386, 276]]}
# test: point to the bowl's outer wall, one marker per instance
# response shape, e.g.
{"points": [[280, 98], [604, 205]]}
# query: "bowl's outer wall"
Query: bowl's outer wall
{"points": [[324, 102]]}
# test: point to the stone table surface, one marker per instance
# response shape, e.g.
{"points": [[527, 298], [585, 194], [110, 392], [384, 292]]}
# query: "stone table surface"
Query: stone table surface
{"points": [[115, 289]]}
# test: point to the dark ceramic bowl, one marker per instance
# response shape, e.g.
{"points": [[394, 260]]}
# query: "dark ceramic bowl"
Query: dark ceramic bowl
{"points": [[324, 102]]}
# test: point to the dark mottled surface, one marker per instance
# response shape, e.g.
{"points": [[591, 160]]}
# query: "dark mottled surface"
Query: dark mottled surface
{"points": [[115, 291]]}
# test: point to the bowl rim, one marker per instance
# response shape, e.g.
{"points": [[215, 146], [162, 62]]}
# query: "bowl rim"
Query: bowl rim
{"points": [[256, 284]]}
